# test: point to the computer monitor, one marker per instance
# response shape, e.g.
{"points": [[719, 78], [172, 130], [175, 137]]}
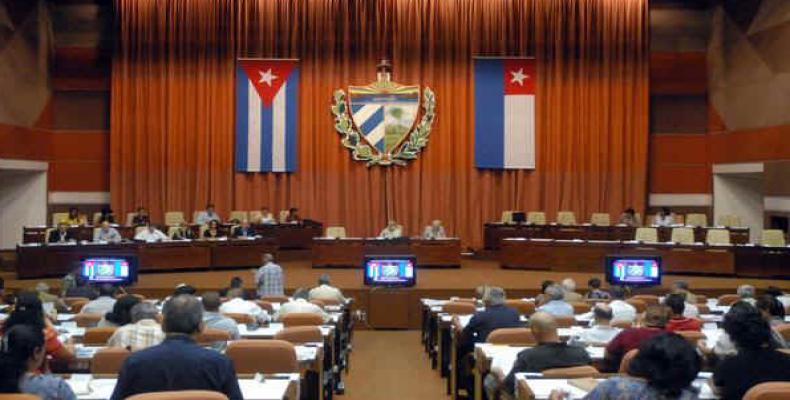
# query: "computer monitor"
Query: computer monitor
{"points": [[114, 270], [625, 270], [392, 271], [519, 217]]}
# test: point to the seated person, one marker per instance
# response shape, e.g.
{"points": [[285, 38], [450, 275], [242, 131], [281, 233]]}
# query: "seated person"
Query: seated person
{"points": [[74, 217], [102, 304], [664, 218], [106, 233], [141, 217], [434, 231], [690, 310], [628, 218], [267, 218], [212, 318], [325, 291], [596, 293], [207, 215], [178, 363], [569, 287], [183, 232], [143, 331], [106, 215], [621, 311], [725, 347], [46, 297], [299, 304], [772, 309], [293, 216], [550, 351], [29, 311], [244, 230], [22, 361], [664, 368], [746, 293], [683, 287], [601, 332], [237, 305], [757, 359], [556, 304], [677, 321], [81, 289], [237, 283], [150, 234], [656, 317], [121, 313], [541, 298], [391, 231], [61, 235], [212, 231], [779, 294], [496, 315]]}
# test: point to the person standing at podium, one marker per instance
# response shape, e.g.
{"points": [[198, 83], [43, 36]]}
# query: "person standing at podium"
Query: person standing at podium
{"points": [[392, 231], [434, 231]]}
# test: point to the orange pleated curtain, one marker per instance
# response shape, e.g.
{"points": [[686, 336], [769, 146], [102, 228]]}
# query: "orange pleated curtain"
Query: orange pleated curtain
{"points": [[172, 112]]}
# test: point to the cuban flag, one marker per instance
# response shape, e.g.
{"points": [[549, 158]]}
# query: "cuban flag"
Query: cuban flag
{"points": [[267, 93], [505, 113]]}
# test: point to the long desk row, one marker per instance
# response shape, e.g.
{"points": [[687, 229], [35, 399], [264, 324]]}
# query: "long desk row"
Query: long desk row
{"points": [[589, 256], [349, 252], [494, 233]]}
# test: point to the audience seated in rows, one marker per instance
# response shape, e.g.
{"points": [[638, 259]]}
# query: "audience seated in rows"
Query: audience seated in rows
{"points": [[28, 311], [621, 311], [121, 313], [299, 304], [601, 330], [495, 316], [724, 346], [683, 287], [747, 294], [569, 289], [269, 278], [556, 305], [102, 304], [237, 305], [81, 288], [237, 282], [143, 331], [541, 298], [596, 293], [212, 318], [676, 303], [325, 291], [46, 297], [655, 320]]}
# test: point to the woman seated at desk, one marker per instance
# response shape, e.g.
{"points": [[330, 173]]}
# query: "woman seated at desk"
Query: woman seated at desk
{"points": [[183, 232], [212, 231]]}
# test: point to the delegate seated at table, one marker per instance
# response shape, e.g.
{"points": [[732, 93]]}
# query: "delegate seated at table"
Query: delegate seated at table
{"points": [[150, 234], [183, 232], [244, 231], [74, 218], [391, 231], [664, 218], [212, 231], [207, 215], [61, 235], [628, 218], [434, 231], [106, 233], [140, 217], [267, 218]]}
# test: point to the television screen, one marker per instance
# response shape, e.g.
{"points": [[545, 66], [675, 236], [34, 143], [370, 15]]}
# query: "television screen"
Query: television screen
{"points": [[519, 217], [633, 270], [113, 270], [390, 270]]}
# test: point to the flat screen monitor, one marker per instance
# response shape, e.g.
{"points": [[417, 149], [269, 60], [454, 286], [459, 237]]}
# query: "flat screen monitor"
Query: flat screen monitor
{"points": [[112, 270], [633, 270], [519, 217], [400, 270]]}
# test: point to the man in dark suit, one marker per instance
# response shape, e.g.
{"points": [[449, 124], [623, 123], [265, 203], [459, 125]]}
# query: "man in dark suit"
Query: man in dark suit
{"points": [[243, 231], [179, 363], [61, 235]]}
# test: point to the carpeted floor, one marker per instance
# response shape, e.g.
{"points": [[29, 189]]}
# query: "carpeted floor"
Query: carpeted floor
{"points": [[390, 365]]}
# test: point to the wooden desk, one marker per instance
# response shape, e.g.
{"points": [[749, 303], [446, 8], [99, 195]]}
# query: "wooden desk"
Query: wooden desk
{"points": [[350, 252]]}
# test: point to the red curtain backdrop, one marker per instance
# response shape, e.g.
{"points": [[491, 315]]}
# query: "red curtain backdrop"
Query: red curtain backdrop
{"points": [[172, 113]]}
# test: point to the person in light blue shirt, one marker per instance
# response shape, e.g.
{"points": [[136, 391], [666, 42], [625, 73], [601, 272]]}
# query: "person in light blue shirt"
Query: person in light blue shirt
{"points": [[213, 319], [207, 215], [556, 305]]}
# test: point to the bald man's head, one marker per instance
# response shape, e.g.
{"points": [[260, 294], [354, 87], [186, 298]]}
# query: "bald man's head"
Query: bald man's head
{"points": [[544, 327]]}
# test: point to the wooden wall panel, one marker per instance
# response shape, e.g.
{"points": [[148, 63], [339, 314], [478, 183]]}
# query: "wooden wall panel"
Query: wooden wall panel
{"points": [[24, 143], [765, 144], [679, 164], [79, 176], [678, 73]]}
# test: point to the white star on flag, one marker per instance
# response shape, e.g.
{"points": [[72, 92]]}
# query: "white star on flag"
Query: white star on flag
{"points": [[518, 76], [267, 77]]}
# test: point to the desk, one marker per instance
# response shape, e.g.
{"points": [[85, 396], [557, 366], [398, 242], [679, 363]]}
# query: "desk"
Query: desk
{"points": [[271, 389], [493, 233], [533, 386], [350, 252]]}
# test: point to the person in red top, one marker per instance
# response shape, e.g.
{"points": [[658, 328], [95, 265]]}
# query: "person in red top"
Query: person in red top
{"points": [[28, 311], [655, 319], [677, 322]]}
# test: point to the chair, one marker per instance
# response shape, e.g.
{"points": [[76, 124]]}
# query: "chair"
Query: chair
{"points": [[646, 234], [565, 321], [275, 299], [95, 218], [649, 299], [319, 303], [696, 219], [130, 218], [626, 361], [580, 307], [265, 305], [601, 219], [512, 336], [57, 217], [769, 391], [98, 336], [728, 299], [240, 318], [302, 319], [703, 308], [729, 220], [239, 215], [336, 232], [300, 335], [87, 320], [622, 324], [566, 218], [331, 302], [773, 238], [459, 308], [691, 336], [255, 216], [783, 330], [76, 305], [701, 298], [717, 236], [180, 395], [583, 371], [536, 217], [71, 300], [173, 218], [212, 335], [264, 356], [108, 360], [526, 308], [683, 235], [507, 217], [283, 217], [639, 305]]}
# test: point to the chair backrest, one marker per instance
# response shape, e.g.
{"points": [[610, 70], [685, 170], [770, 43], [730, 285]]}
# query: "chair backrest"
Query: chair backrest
{"points": [[265, 356], [580, 307], [728, 299], [275, 299], [691, 336], [18, 396], [318, 302], [507, 217], [566, 218], [696, 219], [180, 395], [622, 324], [255, 216], [512, 336], [701, 298], [212, 335], [729, 220], [773, 238], [601, 219], [87, 320], [769, 391], [336, 232], [130, 218], [717, 236], [98, 336], [58, 216], [95, 218], [174, 218], [536, 217], [646, 234], [523, 307], [783, 330], [638, 218], [649, 299], [108, 360], [459, 308], [240, 318], [239, 215], [283, 217], [683, 235], [582, 371], [300, 334], [639, 305], [265, 305], [72, 300], [565, 321], [302, 319], [76, 305], [171, 231], [626, 361]]}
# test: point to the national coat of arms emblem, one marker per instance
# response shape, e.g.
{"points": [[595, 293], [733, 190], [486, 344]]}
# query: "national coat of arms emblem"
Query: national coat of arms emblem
{"points": [[378, 122]]}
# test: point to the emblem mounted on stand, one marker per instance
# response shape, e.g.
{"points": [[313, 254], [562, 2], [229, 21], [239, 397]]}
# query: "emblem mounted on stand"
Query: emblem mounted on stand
{"points": [[378, 122]]}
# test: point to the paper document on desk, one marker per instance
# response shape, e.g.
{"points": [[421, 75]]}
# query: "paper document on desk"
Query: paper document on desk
{"points": [[304, 353], [464, 320]]}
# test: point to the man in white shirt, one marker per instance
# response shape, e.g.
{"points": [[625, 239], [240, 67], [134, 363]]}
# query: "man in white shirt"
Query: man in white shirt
{"points": [[103, 304], [106, 233], [142, 333], [391, 231], [621, 311], [299, 304], [150, 234], [207, 215], [601, 331], [237, 305], [664, 218], [434, 231], [324, 291], [267, 218]]}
